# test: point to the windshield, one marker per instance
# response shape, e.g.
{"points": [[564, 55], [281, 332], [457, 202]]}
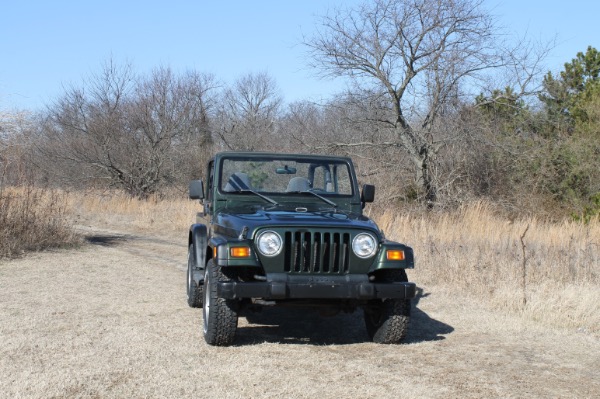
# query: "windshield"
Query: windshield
{"points": [[286, 176]]}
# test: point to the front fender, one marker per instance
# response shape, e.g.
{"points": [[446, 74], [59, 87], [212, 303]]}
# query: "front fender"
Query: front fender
{"points": [[198, 237], [383, 263]]}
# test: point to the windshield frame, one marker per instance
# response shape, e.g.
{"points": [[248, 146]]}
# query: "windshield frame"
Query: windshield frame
{"points": [[312, 162]]}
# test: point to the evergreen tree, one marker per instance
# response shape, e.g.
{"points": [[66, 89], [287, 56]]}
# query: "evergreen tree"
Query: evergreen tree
{"points": [[568, 96]]}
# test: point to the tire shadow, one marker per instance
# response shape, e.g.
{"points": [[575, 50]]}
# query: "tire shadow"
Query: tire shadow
{"points": [[424, 328], [301, 326], [106, 240], [306, 326]]}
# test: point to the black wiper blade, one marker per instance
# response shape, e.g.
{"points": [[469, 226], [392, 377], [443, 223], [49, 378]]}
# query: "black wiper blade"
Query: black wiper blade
{"points": [[268, 199], [333, 204]]}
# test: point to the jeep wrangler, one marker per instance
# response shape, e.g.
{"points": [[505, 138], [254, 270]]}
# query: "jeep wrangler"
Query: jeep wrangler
{"points": [[289, 229]]}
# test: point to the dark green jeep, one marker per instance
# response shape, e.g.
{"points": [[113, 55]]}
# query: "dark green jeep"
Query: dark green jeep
{"points": [[288, 229]]}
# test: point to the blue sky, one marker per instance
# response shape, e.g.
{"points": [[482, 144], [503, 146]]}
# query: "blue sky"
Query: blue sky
{"points": [[46, 45]]}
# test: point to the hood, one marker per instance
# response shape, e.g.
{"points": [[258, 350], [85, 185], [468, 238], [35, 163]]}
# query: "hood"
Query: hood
{"points": [[232, 223]]}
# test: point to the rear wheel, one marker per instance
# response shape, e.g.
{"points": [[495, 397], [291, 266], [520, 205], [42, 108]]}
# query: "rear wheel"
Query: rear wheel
{"points": [[220, 315], [194, 291], [387, 320]]}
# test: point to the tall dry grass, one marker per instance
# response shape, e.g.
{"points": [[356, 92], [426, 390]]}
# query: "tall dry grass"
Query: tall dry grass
{"points": [[172, 214], [32, 219], [471, 251], [546, 271]]}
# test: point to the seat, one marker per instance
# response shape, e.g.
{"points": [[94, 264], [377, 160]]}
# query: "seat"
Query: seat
{"points": [[238, 181], [298, 184]]}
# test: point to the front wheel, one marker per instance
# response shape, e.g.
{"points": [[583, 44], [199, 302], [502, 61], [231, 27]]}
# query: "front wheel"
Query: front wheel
{"points": [[387, 320], [220, 315]]}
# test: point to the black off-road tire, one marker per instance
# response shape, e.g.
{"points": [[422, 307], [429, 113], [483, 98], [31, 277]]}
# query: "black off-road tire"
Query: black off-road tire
{"points": [[387, 320], [220, 315], [194, 291]]}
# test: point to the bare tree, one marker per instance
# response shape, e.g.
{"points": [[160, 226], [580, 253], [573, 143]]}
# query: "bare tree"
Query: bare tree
{"points": [[303, 124], [416, 54], [248, 112], [169, 119], [15, 148], [125, 130]]}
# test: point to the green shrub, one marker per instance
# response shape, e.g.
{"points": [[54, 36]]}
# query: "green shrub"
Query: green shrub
{"points": [[590, 211]]}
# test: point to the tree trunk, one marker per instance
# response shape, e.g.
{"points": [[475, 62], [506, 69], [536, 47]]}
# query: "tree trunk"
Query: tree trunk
{"points": [[421, 153], [426, 177]]}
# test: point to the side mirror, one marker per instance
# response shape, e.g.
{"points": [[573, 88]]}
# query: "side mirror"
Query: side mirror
{"points": [[368, 194], [196, 189]]}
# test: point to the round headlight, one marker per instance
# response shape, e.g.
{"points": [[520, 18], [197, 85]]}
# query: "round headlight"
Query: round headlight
{"points": [[364, 245], [269, 243]]}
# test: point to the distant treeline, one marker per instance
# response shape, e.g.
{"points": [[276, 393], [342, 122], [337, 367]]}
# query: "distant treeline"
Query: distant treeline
{"points": [[423, 120]]}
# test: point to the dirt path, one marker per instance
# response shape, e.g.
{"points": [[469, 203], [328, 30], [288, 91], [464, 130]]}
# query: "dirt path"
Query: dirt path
{"points": [[111, 320]]}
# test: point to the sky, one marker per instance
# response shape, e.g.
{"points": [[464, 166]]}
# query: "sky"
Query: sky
{"points": [[46, 46]]}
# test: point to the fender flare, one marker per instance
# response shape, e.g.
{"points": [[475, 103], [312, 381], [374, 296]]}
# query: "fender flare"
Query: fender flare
{"points": [[382, 263], [198, 237]]}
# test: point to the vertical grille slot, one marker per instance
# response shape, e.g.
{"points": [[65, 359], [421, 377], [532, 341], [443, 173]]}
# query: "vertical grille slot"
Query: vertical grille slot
{"points": [[316, 253], [306, 252], [288, 246], [345, 252], [326, 252], [335, 253], [297, 252], [319, 252]]}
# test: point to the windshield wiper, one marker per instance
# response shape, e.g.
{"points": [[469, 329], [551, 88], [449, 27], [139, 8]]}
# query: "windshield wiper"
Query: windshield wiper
{"points": [[247, 190], [333, 204]]}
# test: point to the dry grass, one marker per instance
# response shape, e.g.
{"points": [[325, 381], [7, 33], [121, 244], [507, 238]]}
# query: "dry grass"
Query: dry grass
{"points": [[481, 254], [33, 219], [471, 250], [174, 214], [111, 320]]}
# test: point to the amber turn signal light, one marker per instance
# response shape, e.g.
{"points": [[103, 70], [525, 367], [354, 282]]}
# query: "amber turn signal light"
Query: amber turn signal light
{"points": [[240, 252], [395, 254]]}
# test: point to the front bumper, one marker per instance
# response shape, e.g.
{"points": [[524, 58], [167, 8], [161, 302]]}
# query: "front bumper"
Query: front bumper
{"points": [[315, 287]]}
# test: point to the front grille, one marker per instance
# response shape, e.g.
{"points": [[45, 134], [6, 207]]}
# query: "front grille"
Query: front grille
{"points": [[316, 252]]}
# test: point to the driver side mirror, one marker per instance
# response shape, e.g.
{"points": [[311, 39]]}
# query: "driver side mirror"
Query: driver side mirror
{"points": [[196, 189], [368, 194]]}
